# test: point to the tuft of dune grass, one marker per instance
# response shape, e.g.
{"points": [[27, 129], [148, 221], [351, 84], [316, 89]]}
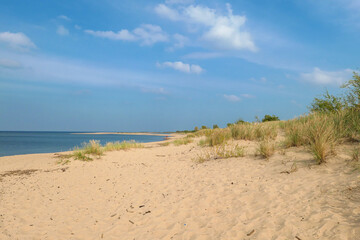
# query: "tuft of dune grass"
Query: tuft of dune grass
{"points": [[182, 141], [266, 148], [94, 149], [321, 136], [221, 152], [216, 137], [124, 145]]}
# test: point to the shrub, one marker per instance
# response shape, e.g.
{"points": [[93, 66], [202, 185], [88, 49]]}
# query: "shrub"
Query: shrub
{"points": [[328, 103], [352, 97], [196, 129], [240, 121], [268, 118], [215, 126], [203, 127]]}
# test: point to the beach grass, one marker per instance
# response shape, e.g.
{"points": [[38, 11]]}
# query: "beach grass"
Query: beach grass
{"points": [[221, 152], [182, 141], [266, 148]]}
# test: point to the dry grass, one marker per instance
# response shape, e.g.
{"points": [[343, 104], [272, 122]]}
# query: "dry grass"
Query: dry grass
{"points": [[221, 152], [124, 145], [254, 131], [182, 141], [216, 137], [321, 136], [266, 148]]}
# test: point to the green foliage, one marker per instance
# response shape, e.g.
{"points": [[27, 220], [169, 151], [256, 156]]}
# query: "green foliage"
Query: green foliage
{"points": [[196, 129], [268, 118], [229, 124], [203, 127], [329, 103], [215, 126], [240, 121], [352, 97]]}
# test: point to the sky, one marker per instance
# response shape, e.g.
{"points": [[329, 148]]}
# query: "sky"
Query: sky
{"points": [[136, 65]]}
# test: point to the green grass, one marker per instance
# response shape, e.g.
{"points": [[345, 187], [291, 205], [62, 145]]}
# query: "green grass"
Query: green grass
{"points": [[94, 149]]}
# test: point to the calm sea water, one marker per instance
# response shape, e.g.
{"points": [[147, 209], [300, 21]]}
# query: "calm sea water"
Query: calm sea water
{"points": [[15, 143]]}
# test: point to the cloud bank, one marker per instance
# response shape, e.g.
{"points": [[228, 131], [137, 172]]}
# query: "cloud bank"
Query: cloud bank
{"points": [[16, 40], [225, 32]]}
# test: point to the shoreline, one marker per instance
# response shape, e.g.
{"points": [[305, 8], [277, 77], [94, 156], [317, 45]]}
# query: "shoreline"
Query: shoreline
{"points": [[169, 138], [161, 192], [127, 133]]}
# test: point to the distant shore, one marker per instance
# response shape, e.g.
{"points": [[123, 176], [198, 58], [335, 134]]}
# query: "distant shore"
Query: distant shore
{"points": [[132, 133]]}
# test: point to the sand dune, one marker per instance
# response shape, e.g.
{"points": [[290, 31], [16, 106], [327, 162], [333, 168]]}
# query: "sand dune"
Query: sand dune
{"points": [[159, 192]]}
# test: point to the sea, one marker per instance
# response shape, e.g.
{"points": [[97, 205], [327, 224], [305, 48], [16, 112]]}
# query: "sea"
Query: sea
{"points": [[16, 143]]}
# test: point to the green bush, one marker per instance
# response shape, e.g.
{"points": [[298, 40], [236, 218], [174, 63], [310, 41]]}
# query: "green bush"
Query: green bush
{"points": [[268, 118]]}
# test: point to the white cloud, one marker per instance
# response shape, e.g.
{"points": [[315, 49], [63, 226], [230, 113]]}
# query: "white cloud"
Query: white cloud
{"points": [[246, 95], [147, 34], [62, 31], [232, 98], [183, 67], [220, 31], [321, 77], [167, 12], [120, 35], [150, 34], [7, 63], [16, 40], [63, 17]]}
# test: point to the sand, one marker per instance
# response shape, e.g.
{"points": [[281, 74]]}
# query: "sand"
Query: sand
{"points": [[160, 192]]}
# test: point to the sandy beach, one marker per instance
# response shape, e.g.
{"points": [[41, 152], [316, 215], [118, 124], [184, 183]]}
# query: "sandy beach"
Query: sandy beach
{"points": [[161, 192]]}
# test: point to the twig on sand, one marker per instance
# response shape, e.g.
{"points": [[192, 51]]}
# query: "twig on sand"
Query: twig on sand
{"points": [[250, 233]]}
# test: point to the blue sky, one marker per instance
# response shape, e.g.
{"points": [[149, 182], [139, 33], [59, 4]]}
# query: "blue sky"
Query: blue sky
{"points": [[135, 65]]}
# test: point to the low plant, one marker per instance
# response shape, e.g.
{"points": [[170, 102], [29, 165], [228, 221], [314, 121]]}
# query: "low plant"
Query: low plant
{"points": [[321, 137], [124, 145], [355, 156], [79, 154], [93, 147], [182, 141], [218, 136], [221, 152], [266, 148]]}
